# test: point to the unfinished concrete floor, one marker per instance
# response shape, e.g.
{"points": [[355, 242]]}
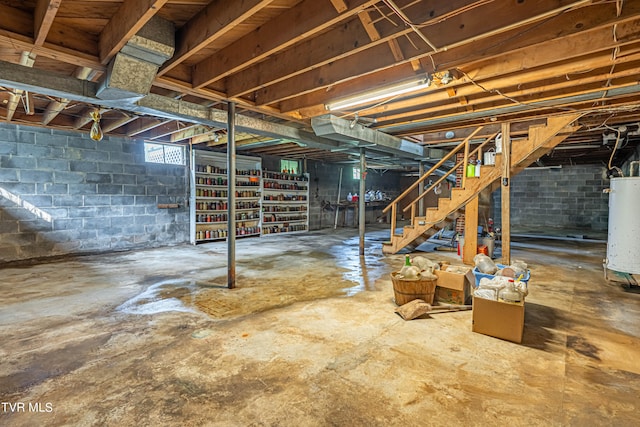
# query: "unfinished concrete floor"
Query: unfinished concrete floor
{"points": [[309, 338]]}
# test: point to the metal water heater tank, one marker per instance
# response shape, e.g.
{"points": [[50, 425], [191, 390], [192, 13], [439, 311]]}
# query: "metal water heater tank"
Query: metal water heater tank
{"points": [[623, 243]]}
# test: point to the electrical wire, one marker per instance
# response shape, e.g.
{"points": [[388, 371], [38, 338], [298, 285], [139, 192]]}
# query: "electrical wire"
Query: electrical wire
{"points": [[615, 147]]}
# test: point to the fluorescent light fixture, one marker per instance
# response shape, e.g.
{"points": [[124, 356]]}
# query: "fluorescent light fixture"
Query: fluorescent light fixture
{"points": [[575, 146], [378, 94]]}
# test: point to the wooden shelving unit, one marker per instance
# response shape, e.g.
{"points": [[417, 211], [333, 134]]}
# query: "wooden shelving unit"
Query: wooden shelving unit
{"points": [[248, 191], [209, 197], [285, 203]]}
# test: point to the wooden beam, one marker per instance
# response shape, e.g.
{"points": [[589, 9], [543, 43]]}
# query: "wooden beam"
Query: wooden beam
{"points": [[508, 85], [168, 128], [311, 17], [374, 35], [353, 36], [16, 20], [142, 125], [535, 103], [43, 16], [375, 59], [108, 126], [369, 26], [506, 194], [53, 109], [216, 20], [59, 53], [313, 103], [51, 84], [208, 137], [29, 105], [552, 51], [396, 50], [489, 101], [27, 59], [304, 56], [340, 5], [12, 105], [128, 20], [85, 117], [470, 231], [592, 18], [576, 22], [190, 133]]}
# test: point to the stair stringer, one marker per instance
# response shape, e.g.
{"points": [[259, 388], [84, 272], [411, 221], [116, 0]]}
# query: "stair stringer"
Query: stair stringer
{"points": [[542, 139], [446, 208]]}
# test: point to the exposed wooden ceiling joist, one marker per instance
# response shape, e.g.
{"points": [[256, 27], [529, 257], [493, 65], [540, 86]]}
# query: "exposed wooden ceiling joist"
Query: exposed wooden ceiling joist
{"points": [[128, 20], [281, 61], [43, 19], [311, 17]]}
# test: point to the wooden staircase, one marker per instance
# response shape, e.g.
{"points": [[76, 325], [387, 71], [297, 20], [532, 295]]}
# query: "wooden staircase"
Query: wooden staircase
{"points": [[540, 140]]}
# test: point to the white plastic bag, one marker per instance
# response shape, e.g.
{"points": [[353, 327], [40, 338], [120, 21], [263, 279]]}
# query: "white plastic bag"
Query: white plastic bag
{"points": [[485, 264], [425, 264]]}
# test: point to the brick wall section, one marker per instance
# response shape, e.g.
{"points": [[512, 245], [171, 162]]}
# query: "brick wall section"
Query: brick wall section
{"points": [[63, 193], [570, 197]]}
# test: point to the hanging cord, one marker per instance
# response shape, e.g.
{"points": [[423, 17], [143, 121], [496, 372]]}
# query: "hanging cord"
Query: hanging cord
{"points": [[615, 148]]}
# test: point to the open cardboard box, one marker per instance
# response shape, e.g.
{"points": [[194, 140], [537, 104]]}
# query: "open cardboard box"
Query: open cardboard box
{"points": [[498, 319], [454, 288]]}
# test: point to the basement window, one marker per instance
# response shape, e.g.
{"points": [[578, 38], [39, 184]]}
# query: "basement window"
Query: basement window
{"points": [[356, 173], [164, 154], [291, 166]]}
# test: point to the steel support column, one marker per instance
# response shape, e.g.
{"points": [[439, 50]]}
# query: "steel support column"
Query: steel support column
{"points": [[231, 197]]}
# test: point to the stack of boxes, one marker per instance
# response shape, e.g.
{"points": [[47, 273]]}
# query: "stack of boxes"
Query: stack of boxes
{"points": [[495, 318]]}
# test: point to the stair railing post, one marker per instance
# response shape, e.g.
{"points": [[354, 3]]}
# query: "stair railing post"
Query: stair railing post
{"points": [[421, 189], [465, 162], [432, 170], [394, 212]]}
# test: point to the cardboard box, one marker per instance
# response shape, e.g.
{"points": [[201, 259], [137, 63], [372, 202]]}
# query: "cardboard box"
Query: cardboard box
{"points": [[498, 319], [454, 288], [451, 296]]}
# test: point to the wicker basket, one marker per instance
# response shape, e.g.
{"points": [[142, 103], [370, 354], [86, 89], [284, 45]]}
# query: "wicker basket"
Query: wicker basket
{"points": [[406, 290]]}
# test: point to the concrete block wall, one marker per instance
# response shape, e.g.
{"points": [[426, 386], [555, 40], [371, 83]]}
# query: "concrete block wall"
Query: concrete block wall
{"points": [[626, 167], [63, 193], [323, 188], [570, 197]]}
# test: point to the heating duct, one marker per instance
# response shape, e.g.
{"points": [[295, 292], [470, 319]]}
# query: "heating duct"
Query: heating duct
{"points": [[132, 71]]}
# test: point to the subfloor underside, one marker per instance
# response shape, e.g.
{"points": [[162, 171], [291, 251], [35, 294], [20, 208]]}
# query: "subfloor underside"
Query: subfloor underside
{"points": [[308, 338]]}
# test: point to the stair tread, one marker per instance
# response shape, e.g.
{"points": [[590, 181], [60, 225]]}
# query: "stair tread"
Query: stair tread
{"points": [[542, 138]]}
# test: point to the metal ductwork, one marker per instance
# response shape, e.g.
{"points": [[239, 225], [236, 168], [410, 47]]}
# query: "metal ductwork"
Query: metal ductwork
{"points": [[351, 134], [132, 71]]}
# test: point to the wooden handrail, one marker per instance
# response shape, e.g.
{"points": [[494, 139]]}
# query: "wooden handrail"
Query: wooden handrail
{"points": [[427, 174], [443, 177]]}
